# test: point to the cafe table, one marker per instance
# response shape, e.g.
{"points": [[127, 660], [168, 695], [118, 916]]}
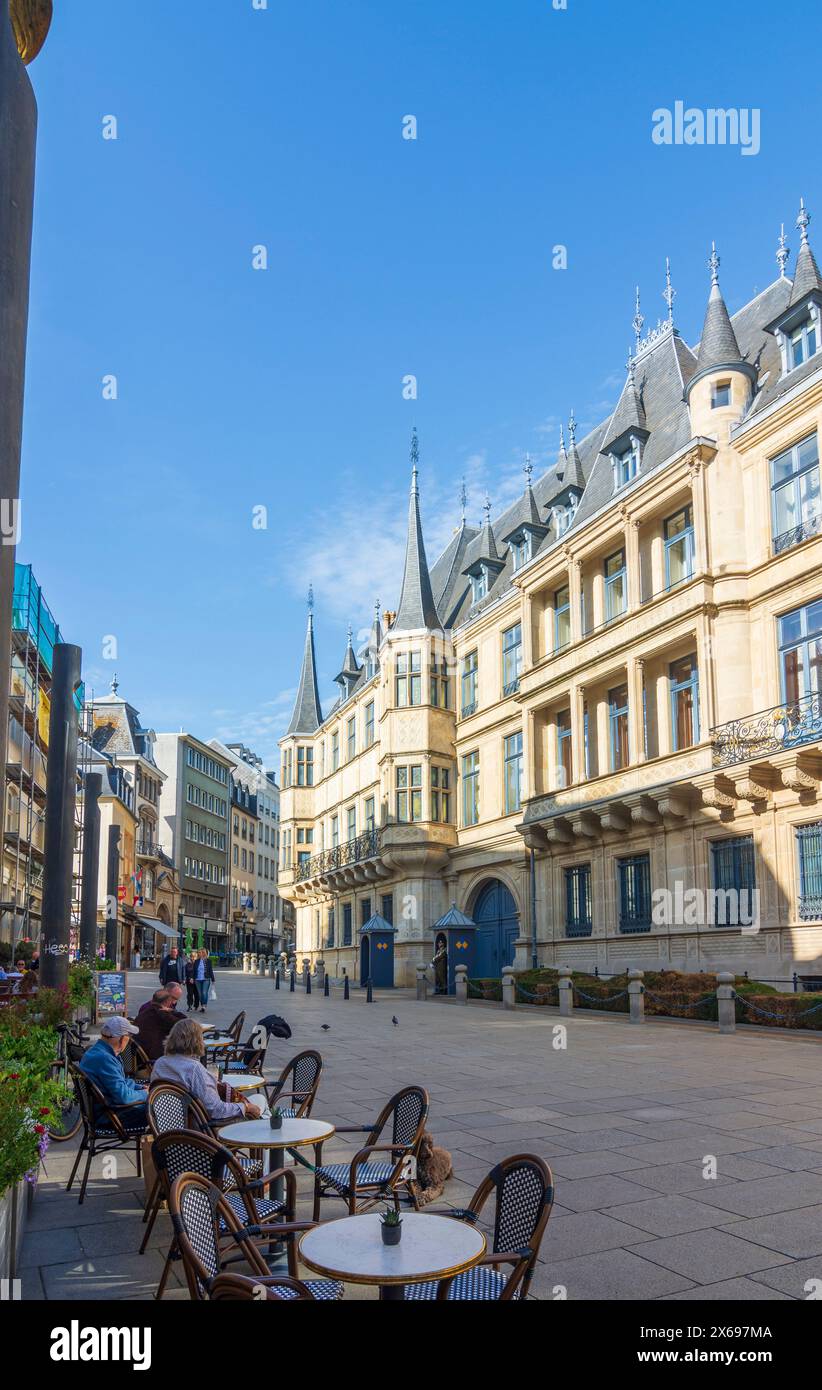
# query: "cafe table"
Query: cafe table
{"points": [[431, 1248], [258, 1134], [244, 1081]]}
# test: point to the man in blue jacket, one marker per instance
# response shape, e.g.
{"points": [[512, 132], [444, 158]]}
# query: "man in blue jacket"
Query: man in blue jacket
{"points": [[102, 1065]]}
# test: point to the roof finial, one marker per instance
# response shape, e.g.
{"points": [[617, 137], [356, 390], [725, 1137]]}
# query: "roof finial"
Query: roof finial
{"points": [[631, 367], [463, 500], [572, 428], [311, 599], [377, 610], [669, 293], [528, 470], [415, 458], [487, 509], [638, 320], [562, 448], [350, 634], [115, 684], [714, 265], [803, 221], [783, 252]]}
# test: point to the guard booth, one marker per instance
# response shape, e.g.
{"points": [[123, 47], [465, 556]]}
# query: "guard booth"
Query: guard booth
{"points": [[454, 944], [377, 953]]}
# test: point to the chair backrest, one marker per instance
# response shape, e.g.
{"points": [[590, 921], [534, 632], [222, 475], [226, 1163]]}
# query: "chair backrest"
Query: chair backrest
{"points": [[235, 1028], [94, 1108], [198, 1210], [171, 1107], [179, 1151], [523, 1188], [240, 1288], [302, 1077], [134, 1059], [408, 1112]]}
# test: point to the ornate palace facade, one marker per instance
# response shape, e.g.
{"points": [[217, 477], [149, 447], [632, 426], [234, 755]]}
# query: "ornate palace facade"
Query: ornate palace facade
{"points": [[612, 689]]}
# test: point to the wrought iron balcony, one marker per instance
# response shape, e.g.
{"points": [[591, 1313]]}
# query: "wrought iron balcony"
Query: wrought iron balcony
{"points": [[631, 926], [511, 687], [809, 527], [770, 731], [365, 846], [810, 907], [469, 709]]}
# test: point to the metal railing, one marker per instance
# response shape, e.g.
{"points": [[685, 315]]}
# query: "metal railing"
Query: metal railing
{"points": [[806, 529], [362, 847], [768, 731]]}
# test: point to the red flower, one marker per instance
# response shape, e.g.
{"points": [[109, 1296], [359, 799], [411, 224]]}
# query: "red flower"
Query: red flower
{"points": [[14, 1076], [44, 1110], [39, 1129]]}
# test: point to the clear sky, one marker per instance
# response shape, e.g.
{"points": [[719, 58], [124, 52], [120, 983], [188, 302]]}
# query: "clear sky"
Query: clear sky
{"points": [[282, 388]]}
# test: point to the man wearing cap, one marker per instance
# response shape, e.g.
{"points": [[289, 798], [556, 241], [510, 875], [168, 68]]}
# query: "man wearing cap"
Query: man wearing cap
{"points": [[102, 1065]]}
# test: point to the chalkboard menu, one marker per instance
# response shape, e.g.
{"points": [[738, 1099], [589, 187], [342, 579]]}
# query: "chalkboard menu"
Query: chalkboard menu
{"points": [[111, 992]]}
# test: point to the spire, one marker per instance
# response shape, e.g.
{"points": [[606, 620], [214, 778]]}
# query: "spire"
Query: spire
{"points": [[488, 545], [573, 475], [783, 253], [349, 674], [115, 684], [562, 461], [416, 607], [718, 346], [629, 417], [669, 293], [463, 500], [308, 715], [806, 276], [638, 320]]}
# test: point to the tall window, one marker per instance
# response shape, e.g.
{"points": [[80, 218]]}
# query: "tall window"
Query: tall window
{"points": [[387, 908], [479, 585], [802, 343], [351, 737], [347, 924], [634, 894], [800, 649], [469, 684], [684, 681], [409, 678], [305, 767], [732, 864], [809, 848], [439, 683], [470, 789], [796, 507], [578, 920], [335, 831], [562, 617], [618, 720], [369, 724], [564, 749], [351, 818], [513, 773], [616, 589], [521, 549], [329, 934], [440, 794], [409, 793], [626, 466], [679, 548], [335, 750], [370, 821], [511, 659], [365, 910]]}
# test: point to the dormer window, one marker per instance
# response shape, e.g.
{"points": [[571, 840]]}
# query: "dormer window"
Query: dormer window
{"points": [[802, 343], [720, 395], [626, 465], [479, 584], [521, 548]]}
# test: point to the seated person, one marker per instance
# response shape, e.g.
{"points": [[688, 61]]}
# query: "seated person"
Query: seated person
{"points": [[181, 1065], [102, 1065], [156, 1019]]}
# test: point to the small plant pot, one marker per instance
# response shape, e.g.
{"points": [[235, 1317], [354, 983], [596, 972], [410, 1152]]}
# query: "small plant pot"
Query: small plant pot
{"points": [[276, 1121], [391, 1235]]}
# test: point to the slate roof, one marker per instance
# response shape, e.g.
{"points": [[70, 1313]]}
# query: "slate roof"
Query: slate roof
{"points": [[117, 728], [416, 608], [718, 346], [806, 276], [308, 715]]}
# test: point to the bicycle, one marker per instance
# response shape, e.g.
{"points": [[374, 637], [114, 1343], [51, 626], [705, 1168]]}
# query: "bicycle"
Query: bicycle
{"points": [[72, 1043]]}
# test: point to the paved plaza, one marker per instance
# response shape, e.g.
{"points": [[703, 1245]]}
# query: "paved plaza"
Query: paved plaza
{"points": [[628, 1117]]}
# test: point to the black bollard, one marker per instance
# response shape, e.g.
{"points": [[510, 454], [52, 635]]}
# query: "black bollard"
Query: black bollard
{"points": [[369, 995], [326, 990], [277, 977], [308, 981], [293, 983], [346, 991]]}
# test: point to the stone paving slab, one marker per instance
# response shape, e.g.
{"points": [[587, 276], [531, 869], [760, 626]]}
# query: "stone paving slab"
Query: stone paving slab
{"points": [[624, 1116]]}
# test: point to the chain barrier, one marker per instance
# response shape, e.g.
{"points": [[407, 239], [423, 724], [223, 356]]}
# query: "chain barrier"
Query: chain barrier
{"points": [[481, 991], [685, 1008], [767, 1013], [540, 998], [601, 999]]}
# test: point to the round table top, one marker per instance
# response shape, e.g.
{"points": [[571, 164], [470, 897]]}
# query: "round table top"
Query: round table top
{"points": [[243, 1081], [258, 1134], [431, 1247], [218, 1042]]}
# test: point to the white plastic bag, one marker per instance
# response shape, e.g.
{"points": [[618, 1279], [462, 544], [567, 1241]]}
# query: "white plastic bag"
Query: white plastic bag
{"points": [[212, 994]]}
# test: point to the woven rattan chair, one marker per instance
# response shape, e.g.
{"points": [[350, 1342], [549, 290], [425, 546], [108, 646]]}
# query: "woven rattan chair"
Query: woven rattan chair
{"points": [[241, 1288], [379, 1171], [105, 1126], [202, 1220], [303, 1073], [136, 1062], [523, 1190], [233, 1031], [186, 1151]]}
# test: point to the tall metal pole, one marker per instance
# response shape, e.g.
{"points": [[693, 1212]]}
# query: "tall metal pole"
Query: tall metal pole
{"points": [[92, 790], [18, 130], [61, 791], [534, 950], [112, 897]]}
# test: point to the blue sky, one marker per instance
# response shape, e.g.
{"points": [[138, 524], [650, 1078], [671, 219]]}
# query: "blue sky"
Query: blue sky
{"points": [[283, 388]]}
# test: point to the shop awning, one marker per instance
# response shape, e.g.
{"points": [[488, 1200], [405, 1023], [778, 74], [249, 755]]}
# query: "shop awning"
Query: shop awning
{"points": [[162, 927]]}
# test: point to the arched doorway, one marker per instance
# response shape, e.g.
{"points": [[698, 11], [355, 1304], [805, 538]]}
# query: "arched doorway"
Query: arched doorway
{"points": [[497, 919]]}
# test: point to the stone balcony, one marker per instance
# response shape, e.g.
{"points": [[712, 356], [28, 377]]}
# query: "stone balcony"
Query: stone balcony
{"points": [[376, 855]]}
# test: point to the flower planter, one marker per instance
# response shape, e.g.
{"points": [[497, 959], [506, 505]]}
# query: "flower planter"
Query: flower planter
{"points": [[391, 1235], [15, 1205]]}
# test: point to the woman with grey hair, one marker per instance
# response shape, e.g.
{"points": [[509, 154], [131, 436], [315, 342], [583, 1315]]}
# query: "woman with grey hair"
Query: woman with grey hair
{"points": [[181, 1065]]}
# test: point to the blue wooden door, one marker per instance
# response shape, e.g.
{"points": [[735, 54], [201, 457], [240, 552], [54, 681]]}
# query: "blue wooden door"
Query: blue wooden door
{"points": [[497, 922]]}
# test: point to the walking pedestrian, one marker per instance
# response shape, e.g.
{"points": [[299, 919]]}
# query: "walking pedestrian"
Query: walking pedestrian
{"points": [[204, 977]]}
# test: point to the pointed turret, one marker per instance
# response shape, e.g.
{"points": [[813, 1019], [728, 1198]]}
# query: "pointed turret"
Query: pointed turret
{"points": [[308, 715], [806, 277], [798, 328], [719, 356], [628, 420], [573, 476], [350, 673], [718, 346], [523, 527], [416, 607]]}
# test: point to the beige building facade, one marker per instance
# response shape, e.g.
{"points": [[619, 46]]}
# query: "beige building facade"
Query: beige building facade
{"points": [[596, 724]]}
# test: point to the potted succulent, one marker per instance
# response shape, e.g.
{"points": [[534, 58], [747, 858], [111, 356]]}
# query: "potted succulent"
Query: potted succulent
{"points": [[391, 1226], [275, 1119]]}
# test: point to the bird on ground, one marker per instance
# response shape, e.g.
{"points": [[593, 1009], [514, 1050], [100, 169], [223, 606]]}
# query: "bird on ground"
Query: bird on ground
{"points": [[326, 1027], [395, 1020]]}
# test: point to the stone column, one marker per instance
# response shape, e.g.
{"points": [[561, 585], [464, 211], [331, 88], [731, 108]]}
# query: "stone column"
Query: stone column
{"points": [[508, 987], [636, 994], [574, 598], [636, 709], [634, 593], [726, 1004], [461, 983], [566, 992], [578, 732]]}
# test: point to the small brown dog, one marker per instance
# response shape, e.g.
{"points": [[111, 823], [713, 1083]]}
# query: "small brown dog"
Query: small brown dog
{"points": [[434, 1168]]}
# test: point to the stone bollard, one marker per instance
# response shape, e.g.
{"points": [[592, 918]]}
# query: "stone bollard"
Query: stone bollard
{"points": [[252, 962], [320, 972], [461, 983], [636, 995], [726, 1005], [509, 987], [422, 982], [245, 962], [566, 992]]}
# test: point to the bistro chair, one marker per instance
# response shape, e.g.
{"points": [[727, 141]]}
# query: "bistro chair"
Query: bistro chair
{"points": [[240, 1288], [136, 1061], [233, 1031], [378, 1172], [185, 1151], [303, 1072], [171, 1107], [202, 1218], [105, 1126], [523, 1189]]}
